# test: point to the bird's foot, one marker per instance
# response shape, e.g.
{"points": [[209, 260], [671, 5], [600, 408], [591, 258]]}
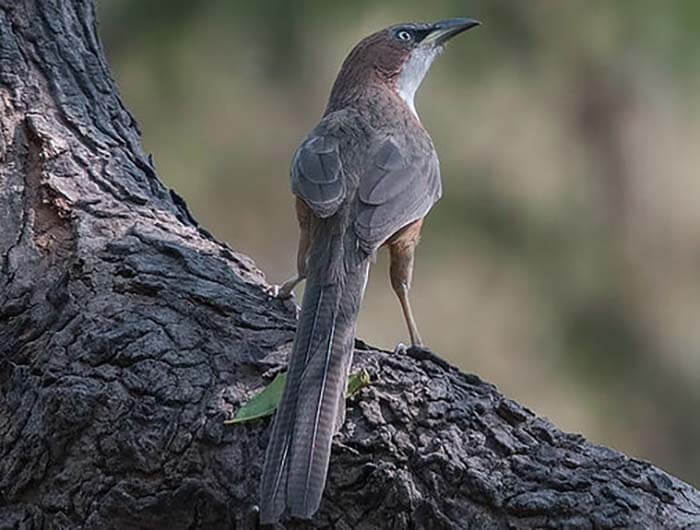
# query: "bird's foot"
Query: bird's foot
{"points": [[421, 353], [400, 349], [286, 296], [286, 290], [272, 290], [278, 291]]}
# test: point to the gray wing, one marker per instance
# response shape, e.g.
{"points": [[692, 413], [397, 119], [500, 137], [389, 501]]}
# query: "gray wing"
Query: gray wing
{"points": [[399, 187], [317, 175]]}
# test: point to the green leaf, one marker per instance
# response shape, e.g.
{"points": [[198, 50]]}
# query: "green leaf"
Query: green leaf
{"points": [[357, 382], [262, 404], [265, 402]]}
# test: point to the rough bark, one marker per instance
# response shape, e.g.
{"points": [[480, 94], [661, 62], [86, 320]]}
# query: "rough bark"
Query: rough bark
{"points": [[128, 334]]}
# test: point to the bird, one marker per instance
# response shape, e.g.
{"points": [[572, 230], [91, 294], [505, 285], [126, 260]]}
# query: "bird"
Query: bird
{"points": [[364, 177]]}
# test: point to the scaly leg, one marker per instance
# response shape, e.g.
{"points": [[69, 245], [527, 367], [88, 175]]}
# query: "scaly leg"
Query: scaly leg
{"points": [[401, 272], [304, 218], [285, 290]]}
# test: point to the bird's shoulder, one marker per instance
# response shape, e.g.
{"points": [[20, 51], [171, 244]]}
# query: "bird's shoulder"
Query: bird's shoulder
{"points": [[345, 125], [361, 136], [326, 164]]}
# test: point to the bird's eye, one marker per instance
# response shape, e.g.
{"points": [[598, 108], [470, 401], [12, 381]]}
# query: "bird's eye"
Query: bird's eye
{"points": [[404, 35]]}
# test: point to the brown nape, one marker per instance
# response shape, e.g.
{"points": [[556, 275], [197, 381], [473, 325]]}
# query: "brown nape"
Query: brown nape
{"points": [[377, 59]]}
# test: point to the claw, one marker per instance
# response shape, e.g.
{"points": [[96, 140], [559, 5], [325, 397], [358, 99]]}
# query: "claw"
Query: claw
{"points": [[272, 290], [401, 349], [278, 291], [286, 290]]}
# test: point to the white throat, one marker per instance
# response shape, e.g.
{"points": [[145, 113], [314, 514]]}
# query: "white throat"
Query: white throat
{"points": [[413, 73]]}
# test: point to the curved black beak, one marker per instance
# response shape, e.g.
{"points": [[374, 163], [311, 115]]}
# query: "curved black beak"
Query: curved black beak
{"points": [[444, 30]]}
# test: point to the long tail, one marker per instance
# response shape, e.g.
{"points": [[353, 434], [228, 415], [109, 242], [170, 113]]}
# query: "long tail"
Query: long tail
{"points": [[313, 405]]}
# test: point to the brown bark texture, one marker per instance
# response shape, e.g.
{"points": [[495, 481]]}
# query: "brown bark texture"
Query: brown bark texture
{"points": [[128, 334]]}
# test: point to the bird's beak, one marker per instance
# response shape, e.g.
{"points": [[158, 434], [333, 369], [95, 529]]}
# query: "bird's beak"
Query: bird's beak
{"points": [[444, 30]]}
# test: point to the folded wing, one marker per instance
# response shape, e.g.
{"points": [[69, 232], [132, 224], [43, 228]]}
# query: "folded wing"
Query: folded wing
{"points": [[317, 175], [400, 185]]}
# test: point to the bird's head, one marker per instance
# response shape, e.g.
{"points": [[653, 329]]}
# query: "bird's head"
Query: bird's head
{"points": [[397, 57]]}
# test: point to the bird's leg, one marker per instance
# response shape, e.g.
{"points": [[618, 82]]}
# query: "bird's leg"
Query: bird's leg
{"points": [[285, 290], [401, 271], [303, 216]]}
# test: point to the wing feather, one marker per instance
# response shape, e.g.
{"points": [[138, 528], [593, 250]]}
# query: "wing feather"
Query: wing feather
{"points": [[399, 186], [317, 175]]}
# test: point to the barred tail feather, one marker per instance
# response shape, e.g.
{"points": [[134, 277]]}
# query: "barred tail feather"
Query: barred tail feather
{"points": [[296, 462]]}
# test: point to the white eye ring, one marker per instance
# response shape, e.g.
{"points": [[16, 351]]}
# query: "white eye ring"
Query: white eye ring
{"points": [[404, 35]]}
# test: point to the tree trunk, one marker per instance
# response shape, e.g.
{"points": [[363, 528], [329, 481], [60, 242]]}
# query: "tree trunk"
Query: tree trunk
{"points": [[128, 334]]}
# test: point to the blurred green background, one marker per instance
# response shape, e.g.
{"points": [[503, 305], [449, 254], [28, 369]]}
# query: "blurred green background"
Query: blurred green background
{"points": [[562, 263]]}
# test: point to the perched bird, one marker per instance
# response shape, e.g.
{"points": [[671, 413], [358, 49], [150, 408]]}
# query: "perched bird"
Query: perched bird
{"points": [[364, 177]]}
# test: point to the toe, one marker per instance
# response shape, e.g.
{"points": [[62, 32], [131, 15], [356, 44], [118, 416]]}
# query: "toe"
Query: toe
{"points": [[272, 290], [278, 291], [400, 349]]}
